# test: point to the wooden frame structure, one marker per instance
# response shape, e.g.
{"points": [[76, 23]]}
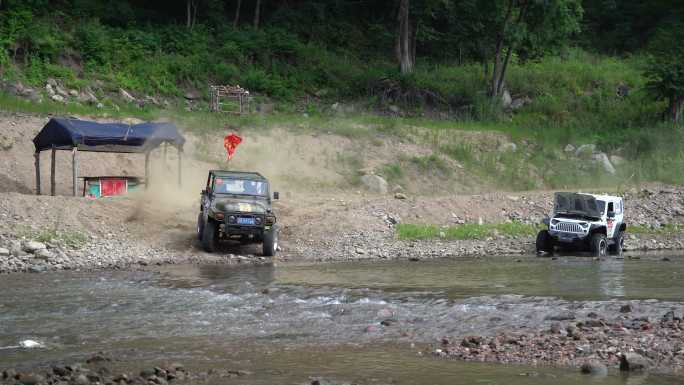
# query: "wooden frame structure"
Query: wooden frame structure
{"points": [[219, 96]]}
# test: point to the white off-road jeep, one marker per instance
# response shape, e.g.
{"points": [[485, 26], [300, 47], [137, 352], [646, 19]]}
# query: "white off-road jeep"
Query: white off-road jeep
{"points": [[584, 222]]}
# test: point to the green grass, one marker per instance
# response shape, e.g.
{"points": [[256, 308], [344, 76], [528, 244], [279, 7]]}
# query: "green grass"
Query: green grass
{"points": [[464, 232], [666, 229], [68, 238]]}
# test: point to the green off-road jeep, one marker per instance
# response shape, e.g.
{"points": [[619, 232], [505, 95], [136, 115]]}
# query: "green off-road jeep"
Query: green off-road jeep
{"points": [[237, 206]]}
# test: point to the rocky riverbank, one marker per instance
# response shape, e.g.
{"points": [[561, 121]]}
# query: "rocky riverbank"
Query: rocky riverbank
{"points": [[41, 233], [100, 369], [626, 341]]}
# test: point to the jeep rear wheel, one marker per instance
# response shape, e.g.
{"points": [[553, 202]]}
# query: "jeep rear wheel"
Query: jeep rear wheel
{"points": [[544, 242], [209, 236], [619, 244], [599, 245], [200, 227], [270, 243]]}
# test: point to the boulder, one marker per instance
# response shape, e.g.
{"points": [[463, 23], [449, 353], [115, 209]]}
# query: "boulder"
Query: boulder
{"points": [[506, 99], [87, 97], [602, 159], [399, 195], [374, 184], [519, 103], [43, 254], [57, 98], [49, 89], [595, 368], [73, 93], [192, 95], [61, 91], [33, 246], [508, 147], [394, 109], [569, 148], [51, 82], [126, 96], [631, 362], [4, 252], [585, 150], [617, 160]]}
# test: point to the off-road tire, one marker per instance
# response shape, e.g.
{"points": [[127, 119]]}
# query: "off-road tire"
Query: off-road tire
{"points": [[619, 245], [270, 244], [209, 236], [200, 227], [544, 242], [599, 245]]}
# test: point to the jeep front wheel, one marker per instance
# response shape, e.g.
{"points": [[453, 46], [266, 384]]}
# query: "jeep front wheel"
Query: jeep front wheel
{"points": [[619, 244], [599, 245], [544, 242], [270, 243], [209, 236]]}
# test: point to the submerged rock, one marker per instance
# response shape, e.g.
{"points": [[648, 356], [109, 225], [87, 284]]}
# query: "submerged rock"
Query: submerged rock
{"points": [[631, 362]]}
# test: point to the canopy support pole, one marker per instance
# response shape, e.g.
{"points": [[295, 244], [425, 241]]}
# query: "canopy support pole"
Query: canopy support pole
{"points": [[180, 157], [74, 169], [52, 171], [147, 170], [37, 161]]}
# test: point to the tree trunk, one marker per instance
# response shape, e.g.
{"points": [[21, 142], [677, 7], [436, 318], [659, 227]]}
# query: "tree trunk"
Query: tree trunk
{"points": [[257, 9], [188, 23], [194, 14], [404, 38], [236, 20], [497, 72], [511, 47], [675, 109]]}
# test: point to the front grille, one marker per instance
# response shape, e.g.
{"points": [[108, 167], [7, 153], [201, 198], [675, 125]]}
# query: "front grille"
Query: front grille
{"points": [[568, 227]]}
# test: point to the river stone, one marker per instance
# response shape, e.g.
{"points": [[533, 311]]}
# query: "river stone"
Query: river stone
{"points": [[81, 379], [33, 246], [595, 368], [631, 362], [569, 148], [4, 252], [43, 254], [30, 379], [375, 184], [57, 98]]}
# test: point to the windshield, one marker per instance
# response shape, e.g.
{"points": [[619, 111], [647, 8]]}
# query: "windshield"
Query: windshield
{"points": [[601, 206], [576, 205], [240, 186]]}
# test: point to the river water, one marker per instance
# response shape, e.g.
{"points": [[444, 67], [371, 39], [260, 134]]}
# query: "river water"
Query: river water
{"points": [[289, 322]]}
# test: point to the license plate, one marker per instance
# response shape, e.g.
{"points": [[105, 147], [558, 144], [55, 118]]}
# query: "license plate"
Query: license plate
{"points": [[245, 221]]}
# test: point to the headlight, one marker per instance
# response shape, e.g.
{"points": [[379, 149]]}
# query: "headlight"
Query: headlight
{"points": [[584, 225], [554, 222], [231, 219]]}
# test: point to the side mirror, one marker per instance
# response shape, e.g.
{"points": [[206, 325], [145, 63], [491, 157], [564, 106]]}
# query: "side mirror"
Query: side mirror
{"points": [[276, 195], [208, 191], [611, 214]]}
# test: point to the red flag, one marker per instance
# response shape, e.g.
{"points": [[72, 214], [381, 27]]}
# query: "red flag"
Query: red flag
{"points": [[230, 142]]}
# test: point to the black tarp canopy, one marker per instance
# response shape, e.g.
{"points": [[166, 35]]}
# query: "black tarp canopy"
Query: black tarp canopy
{"points": [[65, 134], [81, 135]]}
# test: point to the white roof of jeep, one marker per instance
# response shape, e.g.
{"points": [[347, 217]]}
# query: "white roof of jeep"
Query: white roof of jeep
{"points": [[604, 197]]}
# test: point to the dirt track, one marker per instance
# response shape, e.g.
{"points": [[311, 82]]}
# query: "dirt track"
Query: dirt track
{"points": [[318, 222]]}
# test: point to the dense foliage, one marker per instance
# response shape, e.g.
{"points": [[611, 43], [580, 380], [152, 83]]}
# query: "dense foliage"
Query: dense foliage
{"points": [[465, 52]]}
